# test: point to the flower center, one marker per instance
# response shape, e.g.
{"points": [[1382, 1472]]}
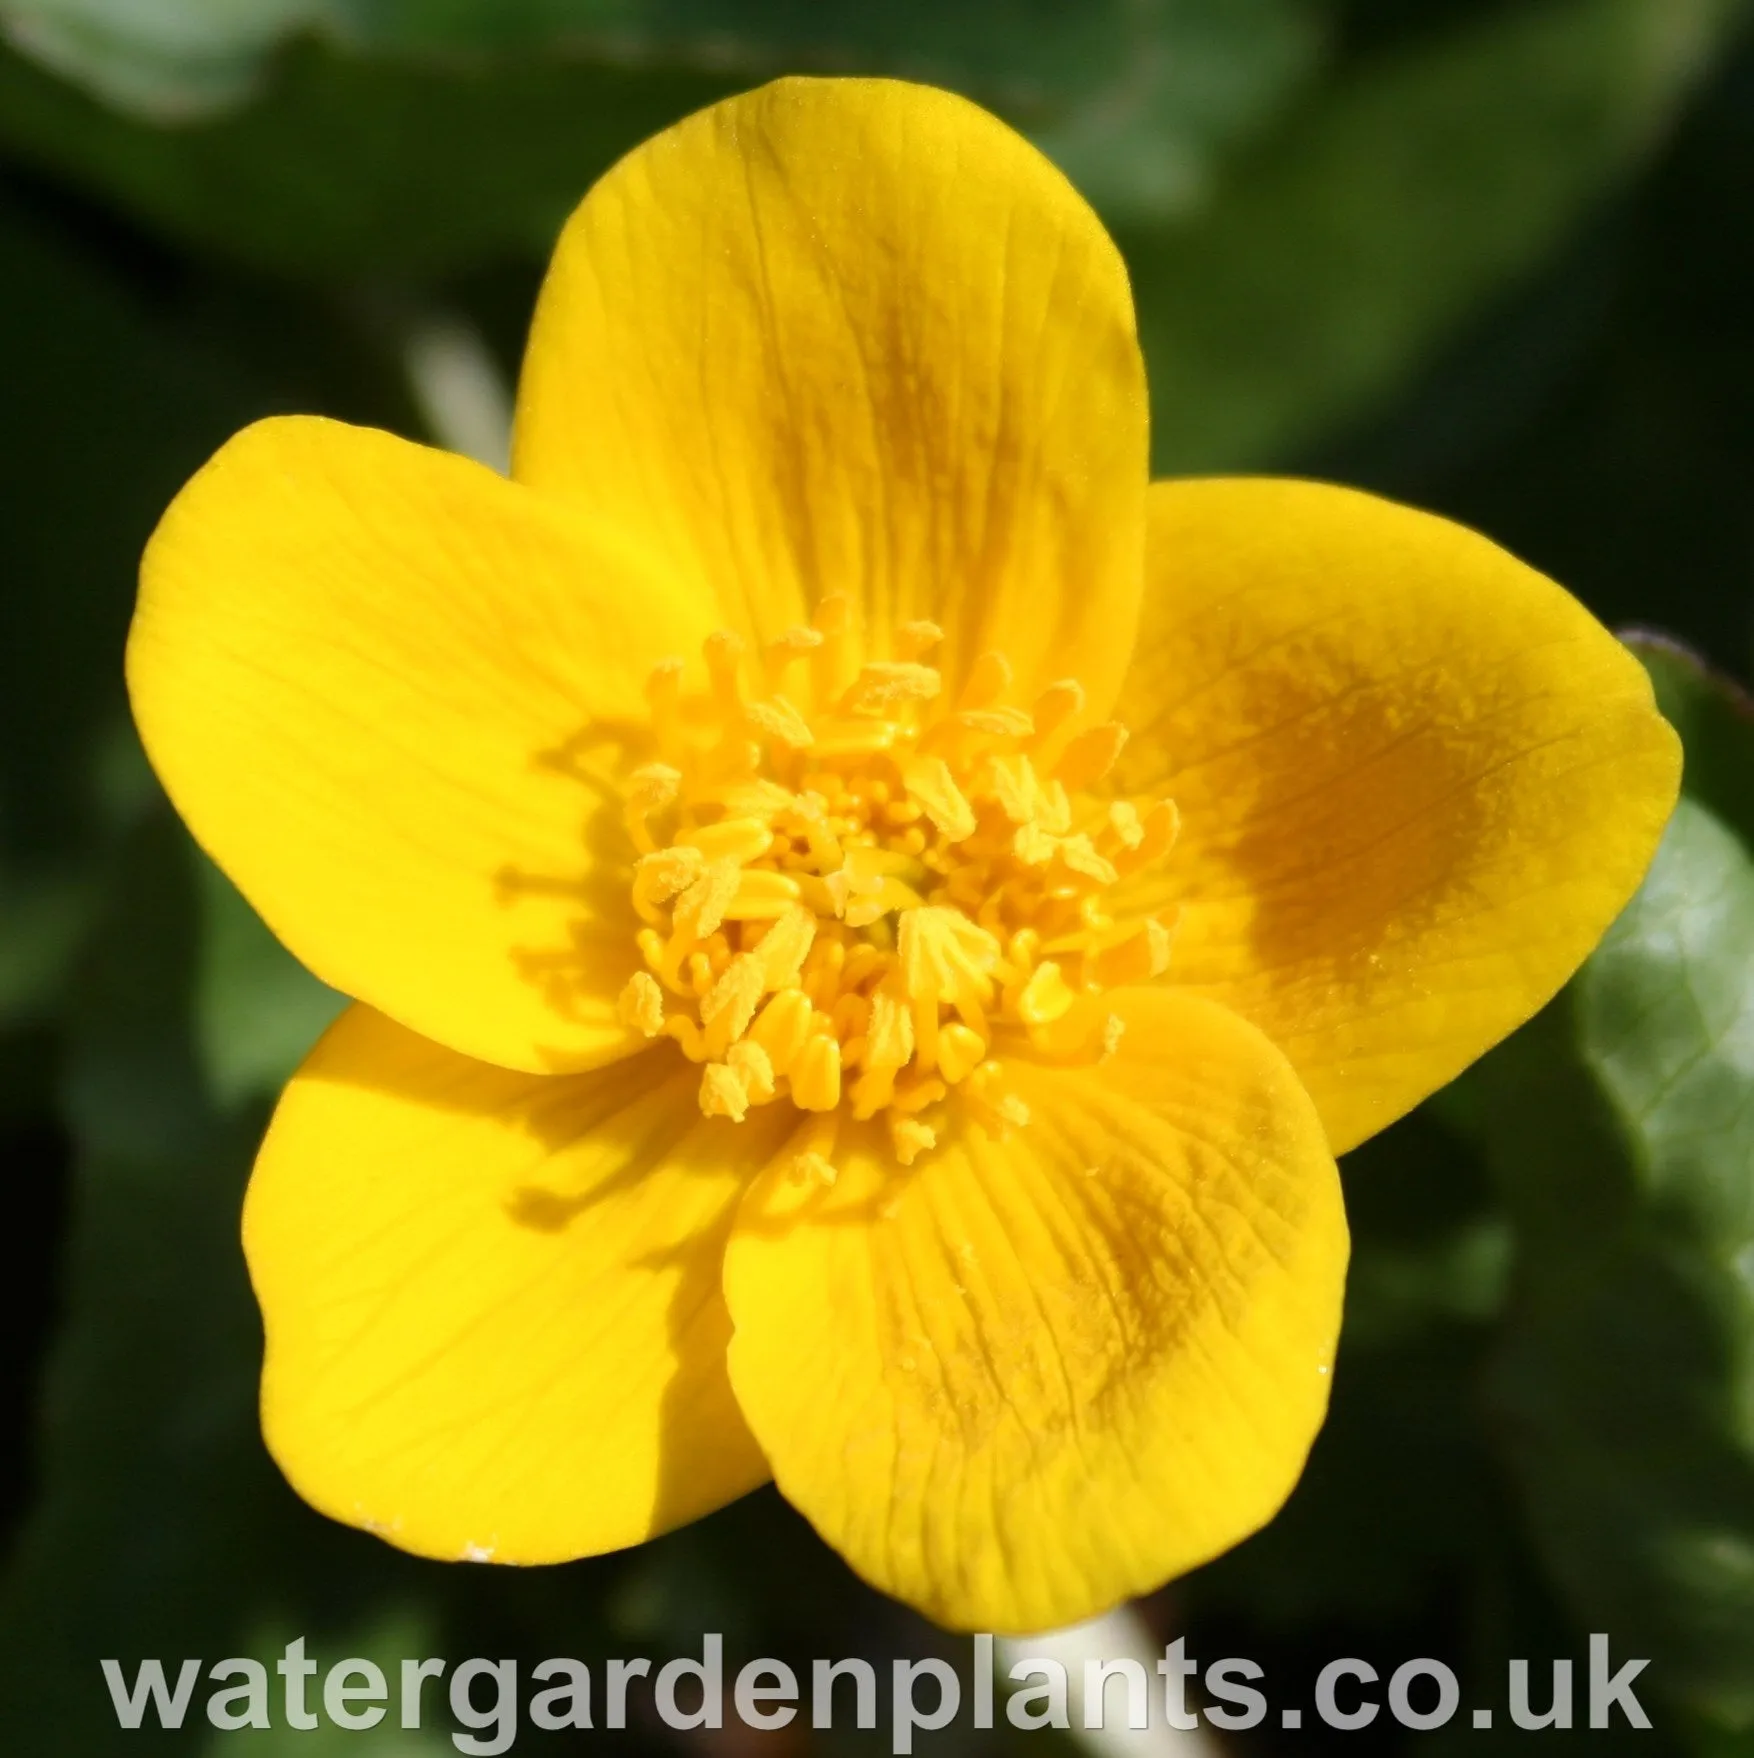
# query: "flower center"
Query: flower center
{"points": [[849, 909]]}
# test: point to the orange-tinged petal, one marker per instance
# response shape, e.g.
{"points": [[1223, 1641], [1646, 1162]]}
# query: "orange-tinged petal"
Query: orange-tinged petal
{"points": [[1417, 780], [492, 1300], [854, 336], [390, 692], [1023, 1380]]}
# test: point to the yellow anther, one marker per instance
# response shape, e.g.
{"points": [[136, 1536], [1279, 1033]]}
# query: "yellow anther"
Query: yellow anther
{"points": [[815, 1075], [925, 1014], [749, 1062], [1124, 824], [865, 960], [960, 1052], [1113, 1028], [723, 1092], [1045, 997], [650, 788], [730, 1004], [929, 781], [778, 719], [763, 800], [662, 875], [733, 839], [762, 894], [988, 679], [1091, 755], [702, 905], [1033, 845], [1015, 787], [827, 897], [889, 1031], [784, 947], [911, 1138], [872, 1092], [822, 971], [865, 909], [1078, 854], [793, 644], [886, 897], [945, 956], [885, 684], [1053, 810], [640, 1006], [783, 1027], [848, 1019]]}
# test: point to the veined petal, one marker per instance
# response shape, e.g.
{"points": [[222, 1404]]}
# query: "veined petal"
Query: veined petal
{"points": [[389, 690], [1025, 1379], [1417, 780], [854, 336], [492, 1300]]}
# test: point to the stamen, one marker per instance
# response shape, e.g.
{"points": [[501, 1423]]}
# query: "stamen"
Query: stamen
{"points": [[858, 909], [884, 684], [641, 1006], [1091, 755], [778, 719]]}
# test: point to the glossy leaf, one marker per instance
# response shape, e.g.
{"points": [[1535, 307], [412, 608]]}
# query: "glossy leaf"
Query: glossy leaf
{"points": [[1715, 718], [1621, 1126], [416, 136]]}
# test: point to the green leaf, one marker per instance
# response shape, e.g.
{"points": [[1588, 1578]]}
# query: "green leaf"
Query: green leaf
{"points": [[1376, 221], [1136, 97], [349, 167], [1621, 1127], [1665, 1014], [257, 1009], [167, 60], [1715, 717]]}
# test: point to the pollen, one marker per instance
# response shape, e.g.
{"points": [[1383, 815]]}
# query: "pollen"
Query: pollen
{"points": [[867, 901]]}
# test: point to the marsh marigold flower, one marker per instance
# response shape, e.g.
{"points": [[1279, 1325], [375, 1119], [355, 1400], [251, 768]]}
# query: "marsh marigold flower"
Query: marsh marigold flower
{"points": [[868, 921]]}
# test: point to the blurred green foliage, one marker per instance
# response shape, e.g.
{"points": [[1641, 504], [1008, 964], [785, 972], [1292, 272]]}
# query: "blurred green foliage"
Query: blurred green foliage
{"points": [[1492, 256]]}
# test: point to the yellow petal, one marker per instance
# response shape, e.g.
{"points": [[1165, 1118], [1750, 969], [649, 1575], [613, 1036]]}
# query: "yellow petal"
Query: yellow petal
{"points": [[386, 689], [1023, 1380], [494, 1325], [853, 336], [1417, 780]]}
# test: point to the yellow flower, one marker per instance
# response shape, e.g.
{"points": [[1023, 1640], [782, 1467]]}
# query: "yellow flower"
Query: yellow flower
{"points": [[792, 1036]]}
